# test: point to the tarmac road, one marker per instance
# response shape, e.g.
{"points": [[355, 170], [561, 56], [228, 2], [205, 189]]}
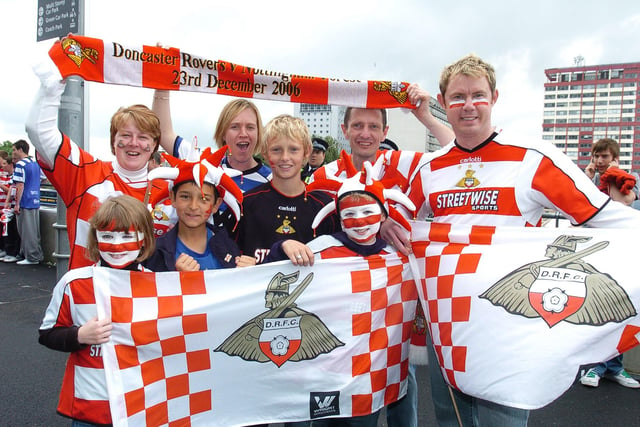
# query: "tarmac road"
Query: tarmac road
{"points": [[30, 374]]}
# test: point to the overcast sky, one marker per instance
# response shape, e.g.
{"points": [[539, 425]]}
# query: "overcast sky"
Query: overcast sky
{"points": [[403, 40]]}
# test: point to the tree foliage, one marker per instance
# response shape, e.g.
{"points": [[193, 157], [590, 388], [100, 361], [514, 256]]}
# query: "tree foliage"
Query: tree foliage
{"points": [[7, 146]]}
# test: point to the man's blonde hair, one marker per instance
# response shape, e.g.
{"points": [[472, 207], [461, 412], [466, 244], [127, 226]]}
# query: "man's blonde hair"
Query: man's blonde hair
{"points": [[470, 65], [286, 126]]}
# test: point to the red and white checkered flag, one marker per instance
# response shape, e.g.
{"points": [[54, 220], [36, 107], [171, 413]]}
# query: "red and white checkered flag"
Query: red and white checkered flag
{"points": [[213, 347], [514, 312]]}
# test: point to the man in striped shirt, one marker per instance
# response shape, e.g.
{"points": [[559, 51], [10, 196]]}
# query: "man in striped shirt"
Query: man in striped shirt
{"points": [[26, 177]]}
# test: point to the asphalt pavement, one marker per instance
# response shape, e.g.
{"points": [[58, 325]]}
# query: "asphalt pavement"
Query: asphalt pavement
{"points": [[30, 374]]}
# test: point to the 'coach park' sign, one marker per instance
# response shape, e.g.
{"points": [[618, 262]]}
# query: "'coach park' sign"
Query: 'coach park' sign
{"points": [[57, 18]]}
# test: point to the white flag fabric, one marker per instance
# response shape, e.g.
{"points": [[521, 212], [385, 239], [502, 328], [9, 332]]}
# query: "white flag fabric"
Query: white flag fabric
{"points": [[263, 344], [514, 312]]}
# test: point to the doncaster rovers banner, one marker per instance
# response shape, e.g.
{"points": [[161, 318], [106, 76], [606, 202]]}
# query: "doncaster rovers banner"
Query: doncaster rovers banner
{"points": [[514, 312], [173, 69], [256, 345]]}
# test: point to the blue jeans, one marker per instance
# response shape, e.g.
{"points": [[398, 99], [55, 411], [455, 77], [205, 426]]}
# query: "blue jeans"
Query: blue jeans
{"points": [[613, 367], [473, 412], [404, 412]]}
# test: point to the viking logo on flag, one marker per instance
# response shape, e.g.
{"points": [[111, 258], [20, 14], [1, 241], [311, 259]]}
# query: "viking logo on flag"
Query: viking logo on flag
{"points": [[284, 332], [563, 287]]}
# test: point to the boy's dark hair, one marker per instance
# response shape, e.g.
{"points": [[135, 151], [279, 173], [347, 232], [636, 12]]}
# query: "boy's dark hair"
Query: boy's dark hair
{"points": [[174, 189], [605, 144], [21, 145]]}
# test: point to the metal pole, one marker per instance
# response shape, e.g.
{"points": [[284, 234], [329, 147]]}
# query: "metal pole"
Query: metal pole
{"points": [[71, 119]]}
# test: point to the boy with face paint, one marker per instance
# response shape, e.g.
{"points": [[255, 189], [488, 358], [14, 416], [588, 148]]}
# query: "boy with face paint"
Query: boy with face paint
{"points": [[362, 205], [120, 236], [199, 185]]}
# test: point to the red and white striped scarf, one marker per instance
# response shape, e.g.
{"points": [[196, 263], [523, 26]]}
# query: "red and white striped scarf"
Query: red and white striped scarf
{"points": [[172, 69]]}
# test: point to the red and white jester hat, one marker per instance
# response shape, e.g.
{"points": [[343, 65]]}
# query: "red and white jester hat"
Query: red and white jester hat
{"points": [[364, 181], [203, 168]]}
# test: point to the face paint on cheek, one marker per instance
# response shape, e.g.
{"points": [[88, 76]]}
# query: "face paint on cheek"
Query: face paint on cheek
{"points": [[362, 233], [480, 101], [360, 220], [119, 248], [456, 104]]}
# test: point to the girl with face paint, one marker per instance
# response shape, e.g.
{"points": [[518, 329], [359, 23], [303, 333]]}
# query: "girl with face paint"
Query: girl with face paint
{"points": [[120, 236]]}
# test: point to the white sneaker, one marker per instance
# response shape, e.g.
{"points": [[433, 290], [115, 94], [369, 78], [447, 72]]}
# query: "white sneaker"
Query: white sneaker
{"points": [[9, 258], [590, 379], [624, 379], [27, 262]]}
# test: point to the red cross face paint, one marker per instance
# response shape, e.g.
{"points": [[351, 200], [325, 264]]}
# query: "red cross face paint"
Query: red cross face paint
{"points": [[119, 248], [360, 219]]}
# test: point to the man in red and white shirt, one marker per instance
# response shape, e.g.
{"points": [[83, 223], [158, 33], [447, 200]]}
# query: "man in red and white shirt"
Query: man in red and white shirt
{"points": [[488, 177]]}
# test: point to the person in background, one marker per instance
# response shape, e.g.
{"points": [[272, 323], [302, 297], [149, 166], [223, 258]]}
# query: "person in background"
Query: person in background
{"points": [[5, 186], [621, 186], [120, 236], [26, 178], [316, 159], [604, 170], [388, 144], [155, 161], [8, 220]]}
